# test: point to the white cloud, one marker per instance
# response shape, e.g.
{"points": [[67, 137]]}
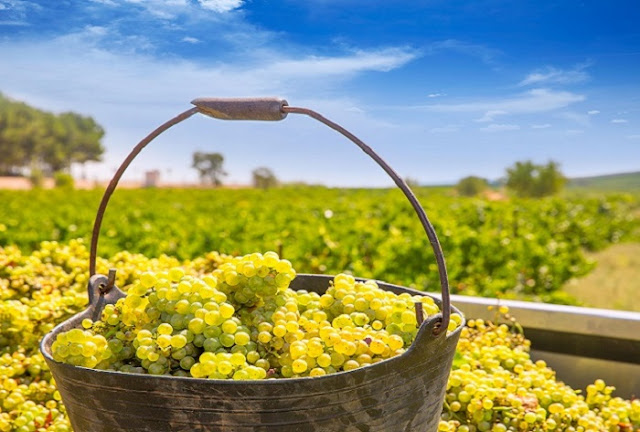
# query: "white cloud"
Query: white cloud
{"points": [[581, 119], [96, 30], [170, 9], [435, 95], [128, 75], [572, 132], [532, 101], [445, 129], [131, 77], [551, 75], [191, 40], [487, 55], [15, 5], [382, 60], [489, 116], [15, 12], [619, 121], [162, 9], [221, 5], [593, 112], [159, 2], [93, 38], [355, 109], [500, 128], [541, 126]]}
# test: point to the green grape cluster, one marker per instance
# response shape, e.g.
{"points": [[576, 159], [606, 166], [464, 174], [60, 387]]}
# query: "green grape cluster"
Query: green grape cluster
{"points": [[494, 383], [29, 400], [242, 322], [496, 386], [37, 292], [31, 416]]}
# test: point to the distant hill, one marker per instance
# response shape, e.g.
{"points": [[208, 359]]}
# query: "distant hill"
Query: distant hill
{"points": [[612, 182]]}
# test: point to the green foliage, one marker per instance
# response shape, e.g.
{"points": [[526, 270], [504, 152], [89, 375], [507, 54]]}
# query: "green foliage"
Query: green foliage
{"points": [[209, 167], [63, 180], [613, 182], [518, 248], [526, 179], [264, 178], [472, 186], [33, 138], [36, 177]]}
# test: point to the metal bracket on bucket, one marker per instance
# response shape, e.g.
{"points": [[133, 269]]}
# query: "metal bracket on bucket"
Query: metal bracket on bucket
{"points": [[102, 291], [274, 109]]}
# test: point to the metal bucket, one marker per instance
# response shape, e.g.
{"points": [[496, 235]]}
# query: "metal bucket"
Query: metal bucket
{"points": [[404, 393]]}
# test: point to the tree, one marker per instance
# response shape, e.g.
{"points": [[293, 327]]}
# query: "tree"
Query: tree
{"points": [[83, 136], [526, 179], [471, 186], [412, 182], [264, 178], [209, 167], [550, 180], [18, 129], [40, 140]]}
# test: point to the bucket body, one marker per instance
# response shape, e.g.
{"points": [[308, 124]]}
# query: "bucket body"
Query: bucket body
{"points": [[404, 393]]}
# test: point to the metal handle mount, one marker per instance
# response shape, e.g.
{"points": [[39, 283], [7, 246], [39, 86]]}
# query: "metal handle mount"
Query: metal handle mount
{"points": [[274, 109]]}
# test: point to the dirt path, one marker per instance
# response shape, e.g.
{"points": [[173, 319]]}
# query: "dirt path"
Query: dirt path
{"points": [[23, 183]]}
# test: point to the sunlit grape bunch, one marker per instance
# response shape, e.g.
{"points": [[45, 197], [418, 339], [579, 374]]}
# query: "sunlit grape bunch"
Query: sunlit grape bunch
{"points": [[496, 386], [360, 303], [242, 321], [253, 277], [80, 348]]}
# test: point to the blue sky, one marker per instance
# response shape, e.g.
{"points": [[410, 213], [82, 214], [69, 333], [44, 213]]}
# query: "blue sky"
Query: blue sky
{"points": [[441, 89]]}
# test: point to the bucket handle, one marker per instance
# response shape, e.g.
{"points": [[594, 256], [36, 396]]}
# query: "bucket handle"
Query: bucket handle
{"points": [[274, 109]]}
